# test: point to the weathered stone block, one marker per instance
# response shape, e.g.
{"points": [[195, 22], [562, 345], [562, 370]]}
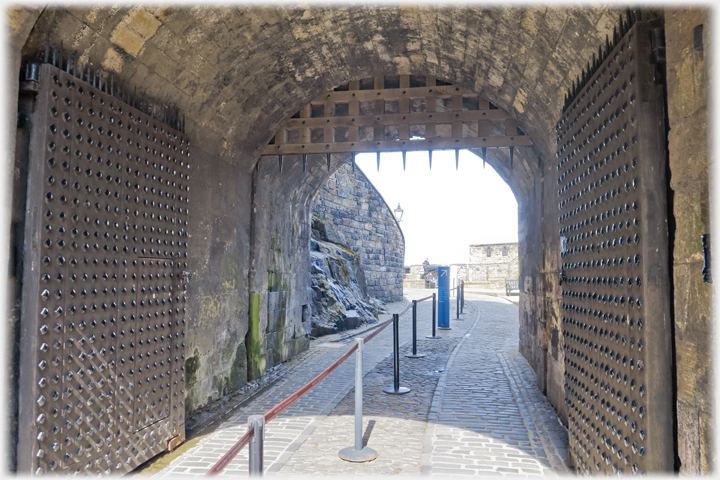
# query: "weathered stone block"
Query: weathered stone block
{"points": [[371, 226]]}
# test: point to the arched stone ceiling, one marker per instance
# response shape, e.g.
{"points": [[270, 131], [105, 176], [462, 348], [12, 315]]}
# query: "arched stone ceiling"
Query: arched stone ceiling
{"points": [[239, 72]]}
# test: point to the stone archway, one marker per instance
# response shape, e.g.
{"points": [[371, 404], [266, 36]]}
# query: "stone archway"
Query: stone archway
{"points": [[239, 73], [334, 122], [177, 55]]}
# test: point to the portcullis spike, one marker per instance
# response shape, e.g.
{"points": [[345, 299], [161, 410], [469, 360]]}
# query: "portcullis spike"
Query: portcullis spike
{"points": [[628, 18]]}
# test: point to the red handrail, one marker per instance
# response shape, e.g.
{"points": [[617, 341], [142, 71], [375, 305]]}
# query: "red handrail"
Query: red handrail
{"points": [[222, 463], [277, 409]]}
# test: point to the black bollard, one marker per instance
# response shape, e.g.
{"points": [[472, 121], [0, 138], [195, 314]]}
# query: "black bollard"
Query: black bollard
{"points": [[434, 317], [414, 353], [462, 297], [396, 388], [457, 302]]}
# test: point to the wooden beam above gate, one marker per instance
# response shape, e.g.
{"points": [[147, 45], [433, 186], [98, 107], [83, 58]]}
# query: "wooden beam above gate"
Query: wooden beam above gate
{"points": [[396, 113]]}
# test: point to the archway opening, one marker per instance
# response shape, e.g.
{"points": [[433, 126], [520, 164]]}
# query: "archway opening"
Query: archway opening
{"points": [[234, 101], [446, 207], [396, 117]]}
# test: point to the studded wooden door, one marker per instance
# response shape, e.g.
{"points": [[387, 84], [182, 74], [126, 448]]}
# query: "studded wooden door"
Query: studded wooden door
{"points": [[615, 263], [103, 312]]}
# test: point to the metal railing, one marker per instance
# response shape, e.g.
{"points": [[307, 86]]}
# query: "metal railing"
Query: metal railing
{"points": [[257, 422], [459, 298], [277, 409]]}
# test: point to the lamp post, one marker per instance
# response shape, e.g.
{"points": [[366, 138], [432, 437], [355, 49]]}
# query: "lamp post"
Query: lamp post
{"points": [[398, 213]]}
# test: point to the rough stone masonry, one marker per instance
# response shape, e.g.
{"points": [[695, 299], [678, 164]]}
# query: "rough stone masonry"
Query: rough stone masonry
{"points": [[238, 73], [350, 202]]}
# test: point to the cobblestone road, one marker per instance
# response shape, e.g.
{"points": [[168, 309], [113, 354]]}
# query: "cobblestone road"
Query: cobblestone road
{"points": [[487, 415], [473, 409]]}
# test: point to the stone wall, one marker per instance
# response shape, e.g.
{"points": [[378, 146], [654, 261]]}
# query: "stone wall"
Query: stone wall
{"points": [[350, 202], [690, 204], [412, 277], [487, 275], [498, 253], [490, 265], [235, 93], [490, 276], [339, 294], [247, 243], [484, 271], [279, 276], [540, 294]]}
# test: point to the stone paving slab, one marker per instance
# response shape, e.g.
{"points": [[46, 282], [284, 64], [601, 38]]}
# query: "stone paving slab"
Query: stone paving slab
{"points": [[488, 416], [474, 408], [295, 423], [394, 425], [485, 415]]}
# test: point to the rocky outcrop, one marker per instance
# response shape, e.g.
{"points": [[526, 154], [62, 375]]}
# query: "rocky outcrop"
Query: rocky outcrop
{"points": [[339, 294], [351, 203]]}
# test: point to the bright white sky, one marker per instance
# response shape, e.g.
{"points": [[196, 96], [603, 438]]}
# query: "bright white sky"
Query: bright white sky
{"points": [[445, 211]]}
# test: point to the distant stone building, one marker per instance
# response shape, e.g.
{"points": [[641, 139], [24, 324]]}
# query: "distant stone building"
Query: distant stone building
{"points": [[489, 266], [493, 253], [350, 202]]}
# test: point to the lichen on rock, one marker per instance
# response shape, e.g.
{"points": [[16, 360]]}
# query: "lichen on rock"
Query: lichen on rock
{"points": [[339, 295]]}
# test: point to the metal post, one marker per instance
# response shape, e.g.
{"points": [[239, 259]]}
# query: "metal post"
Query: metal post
{"points": [[414, 326], [357, 453], [434, 313], [457, 302], [255, 455], [434, 317], [414, 353], [396, 352], [358, 393], [462, 297], [396, 389]]}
